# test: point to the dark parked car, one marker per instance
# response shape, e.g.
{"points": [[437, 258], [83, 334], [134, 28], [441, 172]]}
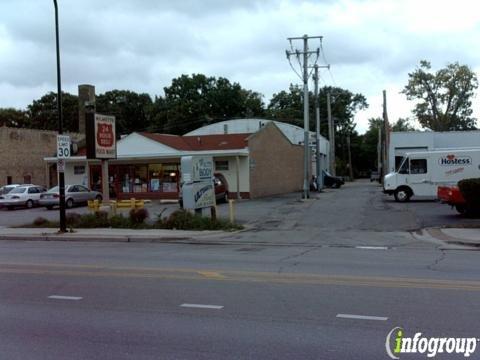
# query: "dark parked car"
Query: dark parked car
{"points": [[374, 176], [332, 181]]}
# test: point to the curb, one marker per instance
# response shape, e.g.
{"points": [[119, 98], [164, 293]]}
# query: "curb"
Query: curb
{"points": [[445, 242]]}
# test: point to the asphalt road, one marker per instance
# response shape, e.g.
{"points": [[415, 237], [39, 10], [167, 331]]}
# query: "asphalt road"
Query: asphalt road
{"points": [[333, 277], [124, 301]]}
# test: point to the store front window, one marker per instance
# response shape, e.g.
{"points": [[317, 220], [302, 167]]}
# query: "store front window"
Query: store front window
{"points": [[148, 178]]}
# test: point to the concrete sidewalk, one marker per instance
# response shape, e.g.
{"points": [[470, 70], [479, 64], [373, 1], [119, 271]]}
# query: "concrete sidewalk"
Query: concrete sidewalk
{"points": [[107, 234], [452, 236]]}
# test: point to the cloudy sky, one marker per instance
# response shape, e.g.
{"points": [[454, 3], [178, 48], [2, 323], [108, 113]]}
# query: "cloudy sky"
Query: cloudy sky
{"points": [[141, 45]]}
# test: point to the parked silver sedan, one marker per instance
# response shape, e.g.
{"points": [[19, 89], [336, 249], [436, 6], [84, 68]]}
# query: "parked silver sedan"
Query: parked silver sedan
{"points": [[74, 195], [22, 196]]}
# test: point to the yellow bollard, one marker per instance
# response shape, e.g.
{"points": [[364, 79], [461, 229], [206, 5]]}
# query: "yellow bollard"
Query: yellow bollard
{"points": [[231, 210]]}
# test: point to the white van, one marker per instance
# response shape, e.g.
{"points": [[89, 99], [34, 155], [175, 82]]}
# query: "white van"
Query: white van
{"points": [[420, 173]]}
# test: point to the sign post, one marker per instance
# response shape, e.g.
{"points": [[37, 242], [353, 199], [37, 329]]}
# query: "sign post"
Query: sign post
{"points": [[101, 144], [63, 152]]}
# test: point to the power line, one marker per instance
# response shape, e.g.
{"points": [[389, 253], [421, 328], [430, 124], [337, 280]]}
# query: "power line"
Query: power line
{"points": [[326, 62]]}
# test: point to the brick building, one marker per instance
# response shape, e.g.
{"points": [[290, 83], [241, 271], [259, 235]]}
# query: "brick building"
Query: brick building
{"points": [[22, 152]]}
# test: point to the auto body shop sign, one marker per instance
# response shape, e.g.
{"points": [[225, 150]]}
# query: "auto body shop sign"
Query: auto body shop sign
{"points": [[105, 142], [197, 176]]}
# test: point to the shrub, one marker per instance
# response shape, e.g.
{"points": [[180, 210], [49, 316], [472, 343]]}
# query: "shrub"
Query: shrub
{"points": [[470, 189], [185, 220], [98, 219], [120, 222], [40, 221], [72, 219], [138, 216]]}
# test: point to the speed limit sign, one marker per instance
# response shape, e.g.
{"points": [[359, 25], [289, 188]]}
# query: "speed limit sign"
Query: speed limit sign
{"points": [[63, 146]]}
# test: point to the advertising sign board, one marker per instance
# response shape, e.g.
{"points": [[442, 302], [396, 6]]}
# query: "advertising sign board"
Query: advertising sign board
{"points": [[105, 142], [197, 168], [198, 195]]}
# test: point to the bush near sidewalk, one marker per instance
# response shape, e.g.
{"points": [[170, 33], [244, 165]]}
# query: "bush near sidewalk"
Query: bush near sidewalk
{"points": [[178, 220], [184, 220], [470, 189]]}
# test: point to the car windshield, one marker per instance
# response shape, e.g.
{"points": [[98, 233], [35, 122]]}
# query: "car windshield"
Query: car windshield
{"points": [[18, 190], [53, 190]]}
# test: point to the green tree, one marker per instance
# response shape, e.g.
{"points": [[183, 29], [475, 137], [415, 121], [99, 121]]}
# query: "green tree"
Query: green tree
{"points": [[287, 106], [13, 117], [193, 101], [42, 113], [370, 142], [444, 97], [132, 111], [402, 124]]}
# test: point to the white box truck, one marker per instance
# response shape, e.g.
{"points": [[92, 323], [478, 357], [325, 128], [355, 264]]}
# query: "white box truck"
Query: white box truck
{"points": [[420, 173]]}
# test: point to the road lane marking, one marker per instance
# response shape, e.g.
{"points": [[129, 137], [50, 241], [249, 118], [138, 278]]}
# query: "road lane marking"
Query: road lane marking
{"points": [[211, 274], [237, 276], [362, 317], [372, 247], [201, 306], [62, 297]]}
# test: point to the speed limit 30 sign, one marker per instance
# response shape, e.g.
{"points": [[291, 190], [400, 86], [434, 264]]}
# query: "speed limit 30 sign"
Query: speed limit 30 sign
{"points": [[63, 146]]}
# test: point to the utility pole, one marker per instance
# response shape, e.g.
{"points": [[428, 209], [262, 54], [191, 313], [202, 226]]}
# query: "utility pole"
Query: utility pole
{"points": [[317, 129], [61, 174], [386, 159], [331, 136], [350, 169], [379, 152], [305, 53]]}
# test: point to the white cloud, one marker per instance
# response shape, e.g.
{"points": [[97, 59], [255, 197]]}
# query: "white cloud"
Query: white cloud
{"points": [[142, 44]]}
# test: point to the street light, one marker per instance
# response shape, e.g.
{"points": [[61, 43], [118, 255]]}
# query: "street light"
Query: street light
{"points": [[61, 175]]}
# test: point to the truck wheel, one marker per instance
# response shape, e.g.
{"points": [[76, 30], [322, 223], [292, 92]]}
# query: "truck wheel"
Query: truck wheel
{"points": [[402, 195]]}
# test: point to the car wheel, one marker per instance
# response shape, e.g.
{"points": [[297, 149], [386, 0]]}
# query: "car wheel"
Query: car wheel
{"points": [[29, 204], [402, 195], [225, 197], [98, 198], [461, 209], [49, 207], [69, 203], [10, 207]]}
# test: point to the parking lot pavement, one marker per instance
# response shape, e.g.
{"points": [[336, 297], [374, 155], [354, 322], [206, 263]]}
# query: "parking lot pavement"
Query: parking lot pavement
{"points": [[22, 216], [358, 206]]}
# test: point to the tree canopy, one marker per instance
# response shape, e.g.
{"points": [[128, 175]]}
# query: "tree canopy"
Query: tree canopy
{"points": [[443, 97], [43, 114], [132, 111], [13, 117], [193, 101]]}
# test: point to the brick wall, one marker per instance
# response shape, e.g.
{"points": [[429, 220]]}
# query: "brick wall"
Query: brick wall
{"points": [[276, 165], [22, 152]]}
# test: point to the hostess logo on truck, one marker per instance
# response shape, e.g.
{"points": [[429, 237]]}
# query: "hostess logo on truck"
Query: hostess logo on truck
{"points": [[452, 160]]}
